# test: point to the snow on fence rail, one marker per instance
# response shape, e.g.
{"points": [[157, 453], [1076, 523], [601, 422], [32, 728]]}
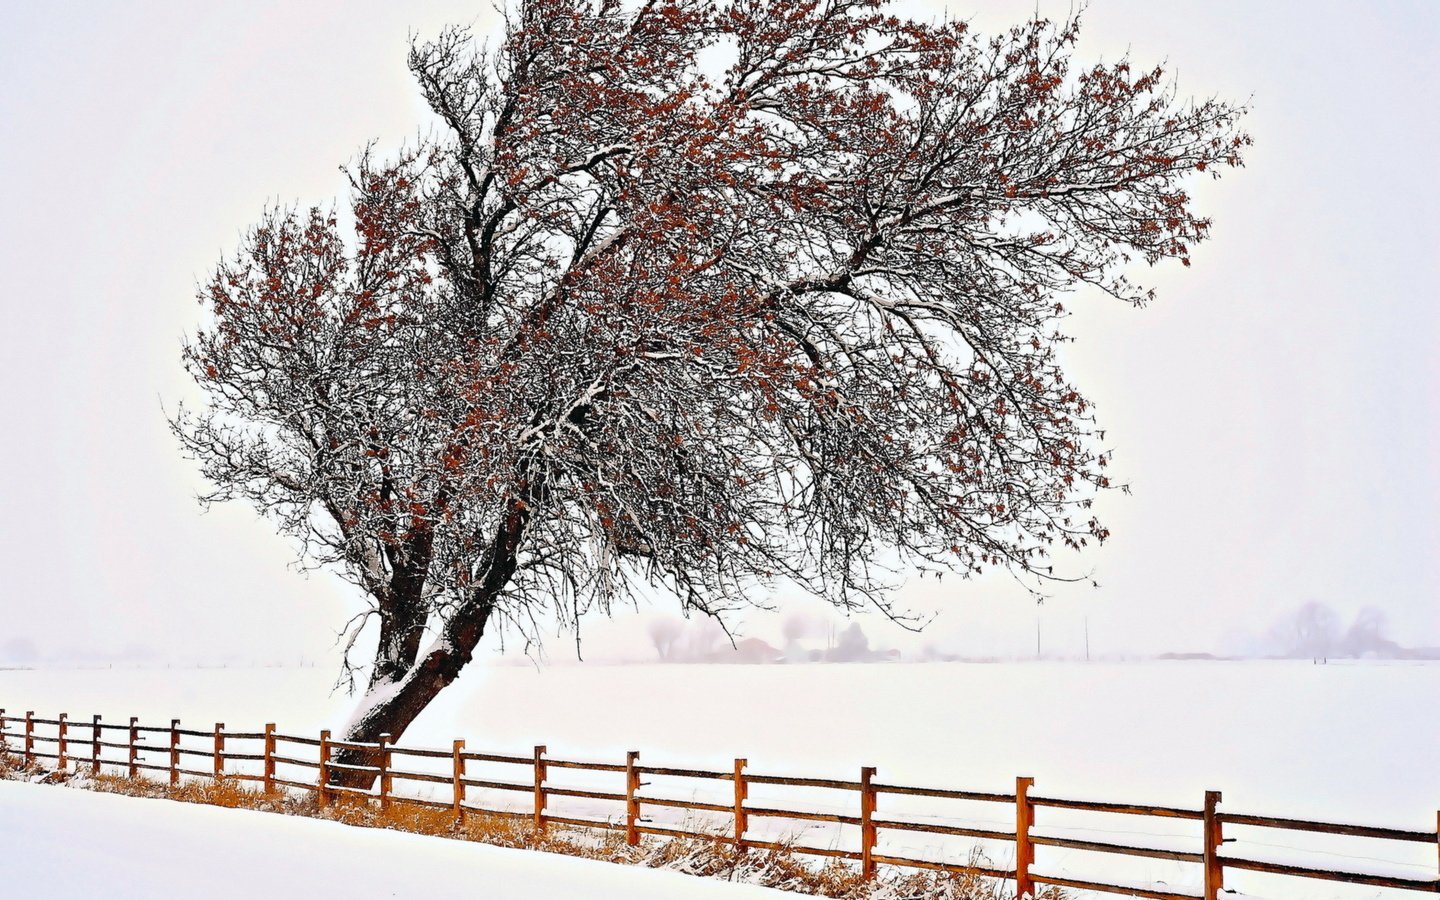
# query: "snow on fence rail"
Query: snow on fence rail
{"points": [[136, 741]]}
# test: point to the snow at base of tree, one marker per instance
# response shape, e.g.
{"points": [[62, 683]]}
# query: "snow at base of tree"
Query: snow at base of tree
{"points": [[74, 843]]}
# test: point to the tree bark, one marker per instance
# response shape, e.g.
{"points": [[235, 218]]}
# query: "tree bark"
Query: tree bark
{"points": [[403, 614]]}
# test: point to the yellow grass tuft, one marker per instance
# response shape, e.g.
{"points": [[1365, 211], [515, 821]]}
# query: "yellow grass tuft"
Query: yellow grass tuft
{"points": [[713, 857]]}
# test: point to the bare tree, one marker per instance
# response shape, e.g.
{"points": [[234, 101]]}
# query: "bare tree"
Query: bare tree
{"points": [[1312, 631], [1367, 635], [664, 631], [636, 319], [704, 640]]}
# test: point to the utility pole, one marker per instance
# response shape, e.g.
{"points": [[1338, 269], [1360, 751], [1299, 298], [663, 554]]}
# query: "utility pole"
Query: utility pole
{"points": [[1037, 636], [1087, 638]]}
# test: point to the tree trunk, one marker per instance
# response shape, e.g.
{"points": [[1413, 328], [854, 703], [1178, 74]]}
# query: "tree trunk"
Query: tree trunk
{"points": [[392, 704], [393, 713]]}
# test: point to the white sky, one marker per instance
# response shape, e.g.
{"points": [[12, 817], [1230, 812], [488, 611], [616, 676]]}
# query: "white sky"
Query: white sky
{"points": [[1275, 411]]}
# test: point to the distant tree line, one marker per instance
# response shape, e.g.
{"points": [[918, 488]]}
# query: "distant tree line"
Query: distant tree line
{"points": [[1315, 630]]}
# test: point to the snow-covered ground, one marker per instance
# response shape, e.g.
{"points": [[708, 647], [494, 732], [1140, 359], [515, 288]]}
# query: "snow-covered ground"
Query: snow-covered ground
{"points": [[1351, 742], [73, 843]]}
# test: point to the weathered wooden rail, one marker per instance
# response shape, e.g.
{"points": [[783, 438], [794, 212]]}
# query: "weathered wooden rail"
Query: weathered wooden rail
{"points": [[137, 744]]}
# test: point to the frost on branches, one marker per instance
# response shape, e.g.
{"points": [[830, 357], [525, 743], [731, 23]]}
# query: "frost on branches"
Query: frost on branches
{"points": [[700, 294]]}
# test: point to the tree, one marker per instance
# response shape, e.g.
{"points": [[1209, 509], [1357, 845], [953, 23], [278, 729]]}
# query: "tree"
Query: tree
{"points": [[1367, 635], [664, 631], [1313, 631], [696, 293], [853, 645], [704, 641]]}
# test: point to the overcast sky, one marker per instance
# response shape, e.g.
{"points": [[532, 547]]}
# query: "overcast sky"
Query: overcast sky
{"points": [[1275, 411]]}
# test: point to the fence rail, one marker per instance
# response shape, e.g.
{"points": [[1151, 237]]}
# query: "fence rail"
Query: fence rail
{"points": [[79, 745]]}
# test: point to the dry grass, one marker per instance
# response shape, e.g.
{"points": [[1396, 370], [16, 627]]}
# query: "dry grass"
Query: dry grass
{"points": [[710, 857]]}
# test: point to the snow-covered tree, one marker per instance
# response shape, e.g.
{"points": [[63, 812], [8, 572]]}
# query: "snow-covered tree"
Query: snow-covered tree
{"points": [[699, 293]]}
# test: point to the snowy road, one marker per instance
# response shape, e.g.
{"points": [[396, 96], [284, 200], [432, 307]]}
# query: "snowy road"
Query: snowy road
{"points": [[64, 843]]}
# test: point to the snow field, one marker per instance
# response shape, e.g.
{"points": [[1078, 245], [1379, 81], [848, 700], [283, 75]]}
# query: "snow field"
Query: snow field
{"points": [[1343, 742], [75, 843]]}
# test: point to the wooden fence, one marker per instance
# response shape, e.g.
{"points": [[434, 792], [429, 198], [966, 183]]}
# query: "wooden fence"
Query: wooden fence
{"points": [[270, 749]]}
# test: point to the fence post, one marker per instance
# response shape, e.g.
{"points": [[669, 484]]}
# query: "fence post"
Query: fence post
{"points": [[867, 822], [742, 791], [632, 803], [458, 754], [62, 730], [269, 777], [323, 793], [94, 745], [134, 758], [1214, 867], [1024, 850], [4, 741], [384, 758], [29, 737], [174, 752], [540, 772], [219, 750]]}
